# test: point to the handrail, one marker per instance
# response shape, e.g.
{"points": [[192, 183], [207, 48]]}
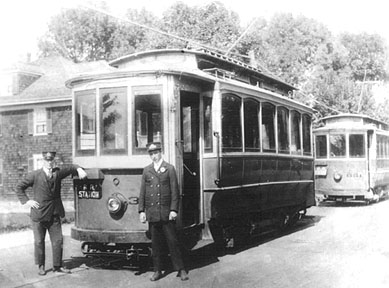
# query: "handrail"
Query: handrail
{"points": [[217, 180]]}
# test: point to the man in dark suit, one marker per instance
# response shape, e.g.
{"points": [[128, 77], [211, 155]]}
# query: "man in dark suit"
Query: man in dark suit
{"points": [[158, 204], [47, 208]]}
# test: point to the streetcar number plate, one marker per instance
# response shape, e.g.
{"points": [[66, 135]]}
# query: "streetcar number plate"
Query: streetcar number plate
{"points": [[321, 171]]}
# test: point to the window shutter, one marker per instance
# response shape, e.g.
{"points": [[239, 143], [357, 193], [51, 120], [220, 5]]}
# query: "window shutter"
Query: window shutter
{"points": [[30, 164], [30, 123], [49, 122]]}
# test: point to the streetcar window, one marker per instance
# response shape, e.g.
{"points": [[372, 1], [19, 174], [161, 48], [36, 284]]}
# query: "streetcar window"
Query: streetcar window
{"points": [[251, 125], [307, 134], [337, 145], [85, 120], [295, 146], [357, 145], [207, 110], [113, 120], [321, 146], [148, 120], [231, 123], [268, 131], [382, 143], [283, 129]]}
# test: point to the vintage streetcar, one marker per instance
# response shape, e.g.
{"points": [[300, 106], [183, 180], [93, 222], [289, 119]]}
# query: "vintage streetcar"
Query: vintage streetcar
{"points": [[352, 159], [241, 146]]}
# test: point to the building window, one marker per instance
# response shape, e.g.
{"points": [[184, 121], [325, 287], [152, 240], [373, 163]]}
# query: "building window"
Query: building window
{"points": [[231, 123], [35, 163], [114, 120], [85, 122], [148, 118], [39, 121]]}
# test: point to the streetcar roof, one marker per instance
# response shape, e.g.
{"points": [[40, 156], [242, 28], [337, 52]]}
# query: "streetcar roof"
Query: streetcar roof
{"points": [[351, 122], [203, 60]]}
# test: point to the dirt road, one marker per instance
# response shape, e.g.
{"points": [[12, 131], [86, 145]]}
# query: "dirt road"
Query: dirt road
{"points": [[333, 246]]}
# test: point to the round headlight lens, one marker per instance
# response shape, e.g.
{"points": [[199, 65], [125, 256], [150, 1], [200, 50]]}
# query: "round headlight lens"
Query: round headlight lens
{"points": [[114, 204], [337, 176]]}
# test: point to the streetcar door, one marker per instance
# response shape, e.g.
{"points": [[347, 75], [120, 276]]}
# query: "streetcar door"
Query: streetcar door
{"points": [[190, 153]]}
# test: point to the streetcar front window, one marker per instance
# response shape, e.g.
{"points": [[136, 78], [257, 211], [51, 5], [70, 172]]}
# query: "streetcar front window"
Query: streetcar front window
{"points": [[85, 120], [357, 146], [321, 146], [114, 120], [338, 145], [231, 123], [148, 120]]}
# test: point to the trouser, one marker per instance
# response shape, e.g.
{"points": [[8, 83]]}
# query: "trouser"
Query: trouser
{"points": [[55, 231], [161, 232]]}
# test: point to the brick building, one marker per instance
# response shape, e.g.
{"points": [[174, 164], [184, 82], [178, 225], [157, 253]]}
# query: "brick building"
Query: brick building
{"points": [[36, 116]]}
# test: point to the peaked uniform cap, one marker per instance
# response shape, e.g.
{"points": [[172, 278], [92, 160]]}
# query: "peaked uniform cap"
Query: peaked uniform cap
{"points": [[49, 156], [154, 146]]}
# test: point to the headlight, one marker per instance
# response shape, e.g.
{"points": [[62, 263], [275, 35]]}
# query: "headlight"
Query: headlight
{"points": [[337, 176], [114, 204]]}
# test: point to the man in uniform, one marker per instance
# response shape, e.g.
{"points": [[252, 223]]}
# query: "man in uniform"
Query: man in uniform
{"points": [[47, 208], [158, 204]]}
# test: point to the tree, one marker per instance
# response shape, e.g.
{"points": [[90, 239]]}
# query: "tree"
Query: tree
{"points": [[367, 55], [212, 25], [130, 37], [287, 45], [79, 35]]}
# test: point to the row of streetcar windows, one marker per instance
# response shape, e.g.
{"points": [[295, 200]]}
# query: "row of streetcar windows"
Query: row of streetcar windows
{"points": [[340, 145], [252, 126], [247, 124], [113, 120]]}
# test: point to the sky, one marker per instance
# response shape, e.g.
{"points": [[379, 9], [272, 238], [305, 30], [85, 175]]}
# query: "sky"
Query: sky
{"points": [[22, 22]]}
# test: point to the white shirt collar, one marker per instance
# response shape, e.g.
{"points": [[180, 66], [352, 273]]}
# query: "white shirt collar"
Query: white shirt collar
{"points": [[47, 171], [158, 164]]}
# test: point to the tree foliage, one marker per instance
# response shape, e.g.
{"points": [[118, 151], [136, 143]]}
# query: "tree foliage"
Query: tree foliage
{"points": [[330, 71], [80, 35]]}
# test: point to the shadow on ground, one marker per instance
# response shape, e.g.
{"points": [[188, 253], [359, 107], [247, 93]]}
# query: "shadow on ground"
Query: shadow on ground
{"points": [[207, 253]]}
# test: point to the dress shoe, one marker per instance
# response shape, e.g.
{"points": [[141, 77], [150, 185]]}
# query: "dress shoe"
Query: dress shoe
{"points": [[183, 275], [42, 270], [157, 275], [61, 270]]}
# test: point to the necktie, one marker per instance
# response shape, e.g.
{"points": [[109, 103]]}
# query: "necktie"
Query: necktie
{"points": [[50, 174]]}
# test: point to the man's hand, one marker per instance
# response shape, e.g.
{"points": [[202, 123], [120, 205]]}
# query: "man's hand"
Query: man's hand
{"points": [[142, 217], [81, 173], [32, 204], [172, 215]]}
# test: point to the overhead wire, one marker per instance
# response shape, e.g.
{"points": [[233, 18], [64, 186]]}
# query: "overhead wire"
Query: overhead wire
{"points": [[190, 41]]}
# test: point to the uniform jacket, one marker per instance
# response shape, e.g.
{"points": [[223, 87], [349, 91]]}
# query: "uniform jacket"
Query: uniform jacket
{"points": [[46, 192], [159, 192]]}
